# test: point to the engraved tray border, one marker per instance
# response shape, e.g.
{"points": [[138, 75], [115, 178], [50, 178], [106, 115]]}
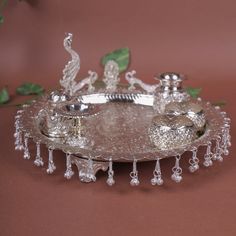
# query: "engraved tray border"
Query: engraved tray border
{"points": [[30, 126]]}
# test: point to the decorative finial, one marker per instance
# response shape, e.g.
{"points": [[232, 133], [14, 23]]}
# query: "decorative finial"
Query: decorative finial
{"points": [[133, 80], [111, 75], [72, 67], [71, 70]]}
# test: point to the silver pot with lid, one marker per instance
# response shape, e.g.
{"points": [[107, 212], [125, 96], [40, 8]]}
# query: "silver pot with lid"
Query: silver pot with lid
{"points": [[170, 90], [191, 109], [171, 132]]}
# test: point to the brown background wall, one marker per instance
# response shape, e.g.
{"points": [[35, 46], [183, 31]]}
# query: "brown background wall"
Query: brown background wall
{"points": [[193, 37]]}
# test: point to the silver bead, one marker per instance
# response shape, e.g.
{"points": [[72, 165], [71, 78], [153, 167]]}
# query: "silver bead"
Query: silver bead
{"points": [[110, 181], [226, 152], [160, 181], [177, 178], [220, 158], [157, 181], [134, 182], [68, 174], [154, 181], [214, 157], [208, 163], [193, 168]]}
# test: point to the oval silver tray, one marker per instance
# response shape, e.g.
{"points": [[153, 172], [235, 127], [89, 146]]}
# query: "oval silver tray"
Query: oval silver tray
{"points": [[119, 132]]}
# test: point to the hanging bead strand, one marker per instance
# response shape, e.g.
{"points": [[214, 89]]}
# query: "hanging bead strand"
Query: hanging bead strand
{"points": [[38, 159], [218, 151], [26, 147], [51, 166], [208, 156], [18, 134], [69, 172], [225, 139], [157, 179], [17, 121], [228, 136], [194, 166], [177, 170], [134, 175], [110, 179], [20, 138]]}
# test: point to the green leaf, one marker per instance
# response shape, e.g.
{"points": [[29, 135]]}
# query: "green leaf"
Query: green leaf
{"points": [[121, 56], [194, 92], [30, 89], [4, 96], [219, 103], [1, 19]]}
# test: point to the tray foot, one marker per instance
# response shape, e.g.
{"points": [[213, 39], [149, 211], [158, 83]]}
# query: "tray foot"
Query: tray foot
{"points": [[88, 168]]}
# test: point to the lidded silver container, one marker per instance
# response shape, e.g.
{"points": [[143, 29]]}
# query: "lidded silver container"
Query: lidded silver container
{"points": [[178, 118], [191, 109], [51, 124], [168, 132], [170, 90]]}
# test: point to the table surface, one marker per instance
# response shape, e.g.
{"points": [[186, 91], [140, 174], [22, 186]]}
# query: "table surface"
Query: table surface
{"points": [[34, 203]]}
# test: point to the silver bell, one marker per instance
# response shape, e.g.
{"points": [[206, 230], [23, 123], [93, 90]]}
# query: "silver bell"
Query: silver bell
{"points": [[110, 181], [176, 178], [134, 182], [193, 168]]}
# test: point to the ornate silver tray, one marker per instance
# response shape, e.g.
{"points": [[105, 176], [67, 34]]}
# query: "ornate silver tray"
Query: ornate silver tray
{"points": [[96, 127]]}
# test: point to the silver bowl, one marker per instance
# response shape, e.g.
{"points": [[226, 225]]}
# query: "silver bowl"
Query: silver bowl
{"points": [[171, 132]]}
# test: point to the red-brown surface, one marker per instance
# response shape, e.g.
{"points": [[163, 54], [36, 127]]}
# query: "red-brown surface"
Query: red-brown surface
{"points": [[193, 37]]}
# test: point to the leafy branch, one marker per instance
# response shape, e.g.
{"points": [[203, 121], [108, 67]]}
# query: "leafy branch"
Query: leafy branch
{"points": [[4, 96]]}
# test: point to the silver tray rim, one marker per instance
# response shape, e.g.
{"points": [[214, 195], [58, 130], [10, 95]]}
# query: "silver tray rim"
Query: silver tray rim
{"points": [[29, 126]]}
